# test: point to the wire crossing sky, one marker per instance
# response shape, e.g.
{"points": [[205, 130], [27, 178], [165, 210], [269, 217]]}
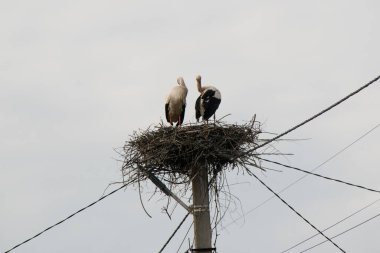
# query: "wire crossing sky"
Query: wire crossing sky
{"points": [[321, 176], [345, 231], [333, 225], [318, 114], [300, 215], [67, 218]]}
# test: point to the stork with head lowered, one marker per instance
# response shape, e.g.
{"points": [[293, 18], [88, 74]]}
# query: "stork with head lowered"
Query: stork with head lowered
{"points": [[176, 103]]}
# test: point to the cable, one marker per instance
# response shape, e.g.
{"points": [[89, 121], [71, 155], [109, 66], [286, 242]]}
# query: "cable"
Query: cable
{"points": [[345, 231], [175, 231], [318, 175], [316, 115], [184, 238], [336, 223], [308, 222], [68, 217], [302, 177]]}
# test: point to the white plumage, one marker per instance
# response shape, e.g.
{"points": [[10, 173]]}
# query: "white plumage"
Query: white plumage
{"points": [[176, 103]]}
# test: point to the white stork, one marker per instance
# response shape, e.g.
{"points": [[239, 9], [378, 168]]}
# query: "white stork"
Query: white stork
{"points": [[176, 103], [208, 101]]}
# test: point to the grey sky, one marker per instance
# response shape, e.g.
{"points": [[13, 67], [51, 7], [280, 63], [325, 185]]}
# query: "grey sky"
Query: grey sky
{"points": [[77, 77]]}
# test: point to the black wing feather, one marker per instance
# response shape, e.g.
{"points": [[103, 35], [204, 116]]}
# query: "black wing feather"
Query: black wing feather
{"points": [[198, 108], [167, 112], [210, 104]]}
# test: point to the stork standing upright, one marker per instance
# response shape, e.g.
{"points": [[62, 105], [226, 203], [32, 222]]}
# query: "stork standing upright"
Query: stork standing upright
{"points": [[176, 103], [208, 101]]}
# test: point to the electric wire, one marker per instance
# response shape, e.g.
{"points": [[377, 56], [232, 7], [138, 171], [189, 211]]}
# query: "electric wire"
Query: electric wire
{"points": [[67, 218], [300, 215], [321, 176], [184, 238], [333, 225], [345, 231], [175, 231], [302, 177], [318, 114]]}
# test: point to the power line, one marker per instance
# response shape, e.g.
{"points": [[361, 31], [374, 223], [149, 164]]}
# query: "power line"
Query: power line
{"points": [[318, 175], [345, 231], [184, 238], [68, 217], [302, 177], [336, 223], [308, 222], [175, 231], [317, 115]]}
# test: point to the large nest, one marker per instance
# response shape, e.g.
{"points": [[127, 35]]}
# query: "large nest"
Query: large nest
{"points": [[174, 154]]}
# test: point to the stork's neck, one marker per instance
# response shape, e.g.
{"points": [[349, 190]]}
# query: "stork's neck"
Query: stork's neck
{"points": [[199, 86]]}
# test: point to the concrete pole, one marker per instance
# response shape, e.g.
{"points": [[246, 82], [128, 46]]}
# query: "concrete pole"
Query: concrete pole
{"points": [[201, 211]]}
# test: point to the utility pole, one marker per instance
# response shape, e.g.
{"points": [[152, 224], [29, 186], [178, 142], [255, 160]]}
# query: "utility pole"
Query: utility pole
{"points": [[201, 212]]}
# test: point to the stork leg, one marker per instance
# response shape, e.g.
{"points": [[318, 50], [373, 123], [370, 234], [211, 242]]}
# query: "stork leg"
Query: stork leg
{"points": [[171, 122], [179, 121]]}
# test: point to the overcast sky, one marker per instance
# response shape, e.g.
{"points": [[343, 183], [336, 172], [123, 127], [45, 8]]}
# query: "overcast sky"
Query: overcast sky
{"points": [[78, 77]]}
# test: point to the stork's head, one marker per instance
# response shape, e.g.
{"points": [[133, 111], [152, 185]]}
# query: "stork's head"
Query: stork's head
{"points": [[198, 78], [180, 81]]}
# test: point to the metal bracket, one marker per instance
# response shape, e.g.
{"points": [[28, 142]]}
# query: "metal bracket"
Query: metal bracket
{"points": [[200, 208]]}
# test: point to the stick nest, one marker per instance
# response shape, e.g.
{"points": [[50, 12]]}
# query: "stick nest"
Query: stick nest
{"points": [[175, 154]]}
